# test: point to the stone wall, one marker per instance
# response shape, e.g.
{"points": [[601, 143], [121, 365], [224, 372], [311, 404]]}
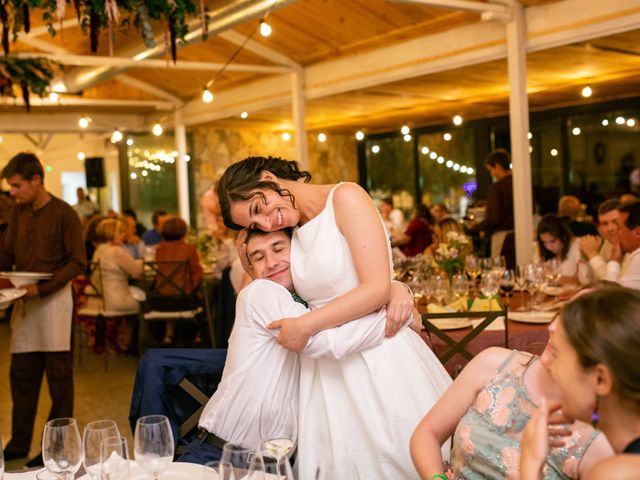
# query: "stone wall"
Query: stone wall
{"points": [[214, 150]]}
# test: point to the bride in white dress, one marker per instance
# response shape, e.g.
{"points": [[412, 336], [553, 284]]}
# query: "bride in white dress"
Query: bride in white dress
{"points": [[358, 413]]}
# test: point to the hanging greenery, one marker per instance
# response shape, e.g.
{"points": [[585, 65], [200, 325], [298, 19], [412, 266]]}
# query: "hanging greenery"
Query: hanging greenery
{"points": [[97, 15], [30, 75]]}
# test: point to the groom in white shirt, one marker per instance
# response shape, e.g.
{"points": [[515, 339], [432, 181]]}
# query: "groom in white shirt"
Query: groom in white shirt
{"points": [[257, 368]]}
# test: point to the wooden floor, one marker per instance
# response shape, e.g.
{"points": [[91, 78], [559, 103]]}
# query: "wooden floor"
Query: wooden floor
{"points": [[98, 394]]}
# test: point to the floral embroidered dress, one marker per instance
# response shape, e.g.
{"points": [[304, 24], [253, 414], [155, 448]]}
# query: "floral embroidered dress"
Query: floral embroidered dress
{"points": [[486, 443]]}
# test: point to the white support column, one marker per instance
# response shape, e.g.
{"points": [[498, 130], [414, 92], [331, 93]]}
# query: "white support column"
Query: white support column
{"points": [[519, 127], [299, 117], [182, 178]]}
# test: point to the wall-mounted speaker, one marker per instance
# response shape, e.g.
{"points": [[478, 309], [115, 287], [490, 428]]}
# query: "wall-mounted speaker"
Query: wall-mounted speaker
{"points": [[94, 171]]}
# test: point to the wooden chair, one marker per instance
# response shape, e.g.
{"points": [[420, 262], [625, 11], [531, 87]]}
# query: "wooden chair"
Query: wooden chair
{"points": [[96, 311], [460, 346], [167, 287]]}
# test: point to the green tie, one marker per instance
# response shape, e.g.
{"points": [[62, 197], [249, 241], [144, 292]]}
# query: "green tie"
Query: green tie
{"points": [[297, 298]]}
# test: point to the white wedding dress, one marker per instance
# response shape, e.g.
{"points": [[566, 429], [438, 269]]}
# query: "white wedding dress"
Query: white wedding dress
{"points": [[357, 414]]}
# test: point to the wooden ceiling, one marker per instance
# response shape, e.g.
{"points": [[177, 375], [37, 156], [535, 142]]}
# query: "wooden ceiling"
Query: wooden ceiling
{"points": [[311, 31]]}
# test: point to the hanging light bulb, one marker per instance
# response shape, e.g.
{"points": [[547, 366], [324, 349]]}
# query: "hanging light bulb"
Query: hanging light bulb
{"points": [[359, 135], [587, 91], [286, 136], [116, 136], [457, 120], [207, 96], [59, 87], [84, 122], [54, 96], [157, 129], [265, 28], [405, 130], [322, 137], [81, 156], [244, 115]]}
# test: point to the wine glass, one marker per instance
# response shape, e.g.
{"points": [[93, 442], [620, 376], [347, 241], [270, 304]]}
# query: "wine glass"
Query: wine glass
{"points": [[278, 432], [499, 265], [507, 282], [94, 434], [489, 284], [472, 267], [62, 448], [439, 288], [153, 444], [114, 458], [459, 286], [521, 281], [239, 457], [552, 270], [218, 470]]}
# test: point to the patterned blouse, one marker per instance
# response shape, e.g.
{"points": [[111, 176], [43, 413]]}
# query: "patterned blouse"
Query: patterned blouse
{"points": [[486, 443]]}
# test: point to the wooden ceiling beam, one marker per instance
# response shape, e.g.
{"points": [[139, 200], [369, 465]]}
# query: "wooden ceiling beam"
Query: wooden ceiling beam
{"points": [[548, 26], [47, 122], [468, 5], [96, 60], [258, 48]]}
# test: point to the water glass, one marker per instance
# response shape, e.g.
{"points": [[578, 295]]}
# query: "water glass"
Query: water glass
{"points": [[94, 434], [153, 444], [114, 459], [62, 448], [240, 458], [459, 286], [489, 285], [219, 470], [439, 286], [278, 433]]}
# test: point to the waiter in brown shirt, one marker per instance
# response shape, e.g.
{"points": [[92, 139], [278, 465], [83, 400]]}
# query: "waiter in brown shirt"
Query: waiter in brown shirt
{"points": [[498, 220], [44, 235]]}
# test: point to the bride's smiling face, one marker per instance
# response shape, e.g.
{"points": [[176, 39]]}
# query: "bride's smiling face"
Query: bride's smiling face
{"points": [[267, 210]]}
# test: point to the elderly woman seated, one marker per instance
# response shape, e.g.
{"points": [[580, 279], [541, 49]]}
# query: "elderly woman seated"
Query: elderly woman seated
{"points": [[486, 410]]}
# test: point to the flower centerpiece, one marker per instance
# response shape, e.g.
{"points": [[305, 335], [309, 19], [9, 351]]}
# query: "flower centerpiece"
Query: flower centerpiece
{"points": [[450, 254]]}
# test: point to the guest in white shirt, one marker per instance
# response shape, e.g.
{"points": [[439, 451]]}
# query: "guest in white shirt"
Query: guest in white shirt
{"points": [[598, 248], [257, 368], [627, 274]]}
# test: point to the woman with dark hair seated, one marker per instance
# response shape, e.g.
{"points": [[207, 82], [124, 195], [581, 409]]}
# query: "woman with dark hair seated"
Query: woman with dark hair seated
{"points": [[555, 240], [418, 235], [174, 249], [595, 359]]}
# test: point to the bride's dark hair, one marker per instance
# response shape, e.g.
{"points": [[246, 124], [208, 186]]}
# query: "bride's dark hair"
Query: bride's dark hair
{"points": [[239, 181]]}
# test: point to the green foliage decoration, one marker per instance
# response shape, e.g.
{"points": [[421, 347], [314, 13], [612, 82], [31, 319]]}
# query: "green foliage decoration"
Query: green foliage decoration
{"points": [[30, 75]]}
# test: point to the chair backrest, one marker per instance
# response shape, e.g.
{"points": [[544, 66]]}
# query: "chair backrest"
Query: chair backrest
{"points": [[168, 285], [93, 286]]}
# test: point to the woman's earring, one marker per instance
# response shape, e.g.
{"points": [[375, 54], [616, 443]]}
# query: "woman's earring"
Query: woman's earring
{"points": [[595, 414]]}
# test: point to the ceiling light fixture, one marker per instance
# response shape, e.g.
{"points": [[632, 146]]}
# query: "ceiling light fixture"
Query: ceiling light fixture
{"points": [[405, 130], [322, 137], [84, 122], [447, 137], [457, 120], [116, 136], [587, 91], [576, 131], [359, 135], [265, 28], [425, 150], [207, 96], [81, 156], [244, 115], [375, 149], [407, 138], [157, 129], [286, 136]]}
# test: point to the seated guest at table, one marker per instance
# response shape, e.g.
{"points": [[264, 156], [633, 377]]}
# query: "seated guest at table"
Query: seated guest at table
{"points": [[418, 235], [258, 369], [174, 249], [598, 249], [486, 409], [393, 218], [555, 240], [91, 237], [441, 234], [570, 211], [626, 271], [439, 211], [628, 198], [133, 244], [595, 365], [154, 235], [116, 268]]}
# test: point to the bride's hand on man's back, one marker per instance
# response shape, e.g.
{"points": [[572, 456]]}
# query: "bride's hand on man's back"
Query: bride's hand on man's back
{"points": [[293, 334]]}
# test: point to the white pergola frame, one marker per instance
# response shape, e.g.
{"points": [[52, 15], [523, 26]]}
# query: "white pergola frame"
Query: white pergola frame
{"points": [[516, 32]]}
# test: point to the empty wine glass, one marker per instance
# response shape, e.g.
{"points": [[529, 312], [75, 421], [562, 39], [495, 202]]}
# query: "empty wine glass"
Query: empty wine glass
{"points": [[552, 270], [521, 284], [439, 288], [278, 432], [94, 434], [62, 448], [114, 458], [489, 285], [499, 265], [239, 457], [459, 286], [218, 470], [153, 444]]}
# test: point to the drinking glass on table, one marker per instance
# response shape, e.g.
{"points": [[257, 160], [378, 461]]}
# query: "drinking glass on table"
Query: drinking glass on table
{"points": [[94, 434], [459, 286], [114, 459], [489, 285], [472, 268], [507, 282], [153, 444], [439, 286], [521, 281], [552, 270], [240, 458], [279, 432], [219, 470], [498, 265], [62, 448]]}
